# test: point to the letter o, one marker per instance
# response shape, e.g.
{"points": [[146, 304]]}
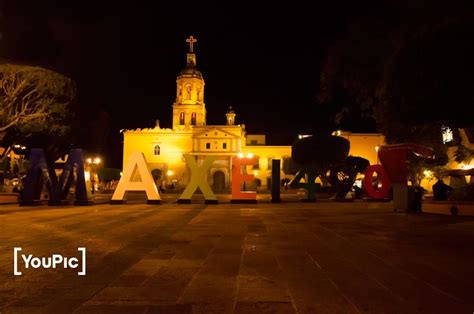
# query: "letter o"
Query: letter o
{"points": [[381, 193], [35, 262]]}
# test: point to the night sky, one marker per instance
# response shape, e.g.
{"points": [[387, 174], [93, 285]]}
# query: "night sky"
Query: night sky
{"points": [[264, 61]]}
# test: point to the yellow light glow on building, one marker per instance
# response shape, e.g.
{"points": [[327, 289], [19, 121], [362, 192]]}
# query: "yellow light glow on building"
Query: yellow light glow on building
{"points": [[427, 173], [165, 148], [87, 175]]}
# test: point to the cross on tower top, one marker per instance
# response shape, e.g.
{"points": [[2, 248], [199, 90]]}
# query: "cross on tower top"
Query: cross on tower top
{"points": [[191, 40]]}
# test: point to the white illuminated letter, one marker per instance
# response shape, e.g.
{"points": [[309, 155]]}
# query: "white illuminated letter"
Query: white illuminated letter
{"points": [[147, 184]]}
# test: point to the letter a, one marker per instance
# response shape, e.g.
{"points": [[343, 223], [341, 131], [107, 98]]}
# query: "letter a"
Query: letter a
{"points": [[198, 179], [309, 174], [136, 160]]}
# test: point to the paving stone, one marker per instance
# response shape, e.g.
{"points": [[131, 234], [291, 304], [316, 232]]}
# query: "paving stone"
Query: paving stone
{"points": [[112, 309], [264, 308], [322, 257]]}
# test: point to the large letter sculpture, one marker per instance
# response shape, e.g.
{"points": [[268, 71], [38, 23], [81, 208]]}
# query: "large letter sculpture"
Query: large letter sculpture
{"points": [[42, 173], [309, 173], [239, 196], [370, 189], [136, 161], [276, 181], [198, 180], [394, 161]]}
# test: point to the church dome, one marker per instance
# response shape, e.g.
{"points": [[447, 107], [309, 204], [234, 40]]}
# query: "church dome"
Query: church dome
{"points": [[191, 71]]}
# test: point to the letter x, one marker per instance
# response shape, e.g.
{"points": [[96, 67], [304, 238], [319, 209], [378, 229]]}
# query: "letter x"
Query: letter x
{"points": [[198, 178]]}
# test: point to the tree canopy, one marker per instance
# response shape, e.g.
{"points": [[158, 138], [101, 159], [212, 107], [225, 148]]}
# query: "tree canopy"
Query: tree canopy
{"points": [[320, 149], [405, 67], [409, 68], [35, 106]]}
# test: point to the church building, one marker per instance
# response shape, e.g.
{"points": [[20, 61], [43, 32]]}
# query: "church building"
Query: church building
{"points": [[164, 148]]}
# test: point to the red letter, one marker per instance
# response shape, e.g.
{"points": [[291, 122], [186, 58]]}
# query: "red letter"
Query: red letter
{"points": [[381, 193], [238, 177], [394, 157]]}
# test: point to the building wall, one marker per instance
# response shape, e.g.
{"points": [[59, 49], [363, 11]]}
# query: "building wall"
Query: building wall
{"points": [[172, 146], [266, 154], [255, 139], [364, 145]]}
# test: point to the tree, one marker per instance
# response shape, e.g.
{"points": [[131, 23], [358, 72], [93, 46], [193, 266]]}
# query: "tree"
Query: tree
{"points": [[414, 78], [108, 174], [401, 46], [320, 153], [290, 167], [427, 87], [35, 105], [326, 156]]}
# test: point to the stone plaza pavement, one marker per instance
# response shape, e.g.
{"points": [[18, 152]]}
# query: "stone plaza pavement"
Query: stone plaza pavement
{"points": [[291, 257]]}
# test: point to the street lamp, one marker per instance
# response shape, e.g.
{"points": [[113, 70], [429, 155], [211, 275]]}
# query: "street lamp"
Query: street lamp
{"points": [[93, 164], [169, 174]]}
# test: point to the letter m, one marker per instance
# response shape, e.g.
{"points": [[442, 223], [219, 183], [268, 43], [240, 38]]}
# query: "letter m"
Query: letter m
{"points": [[41, 173]]}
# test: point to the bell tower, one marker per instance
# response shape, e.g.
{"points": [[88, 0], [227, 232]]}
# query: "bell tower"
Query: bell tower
{"points": [[189, 108], [230, 116]]}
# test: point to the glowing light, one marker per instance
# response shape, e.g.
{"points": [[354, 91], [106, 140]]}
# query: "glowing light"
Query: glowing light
{"points": [[240, 155], [377, 148], [170, 173], [97, 160], [249, 155], [23, 147], [427, 173], [89, 160], [466, 167], [447, 134], [255, 173], [300, 136], [338, 132], [87, 175], [121, 173]]}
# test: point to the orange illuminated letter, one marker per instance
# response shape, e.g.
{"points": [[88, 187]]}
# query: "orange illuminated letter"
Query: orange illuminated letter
{"points": [[238, 177]]}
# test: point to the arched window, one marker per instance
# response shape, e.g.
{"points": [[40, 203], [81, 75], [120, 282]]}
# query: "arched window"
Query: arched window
{"points": [[181, 118], [193, 118], [156, 150]]}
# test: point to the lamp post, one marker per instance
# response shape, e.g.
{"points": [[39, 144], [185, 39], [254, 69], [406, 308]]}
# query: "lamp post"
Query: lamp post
{"points": [[93, 164]]}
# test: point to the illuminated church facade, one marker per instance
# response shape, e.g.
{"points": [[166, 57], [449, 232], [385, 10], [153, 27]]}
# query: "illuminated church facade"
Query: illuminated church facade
{"points": [[164, 147]]}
